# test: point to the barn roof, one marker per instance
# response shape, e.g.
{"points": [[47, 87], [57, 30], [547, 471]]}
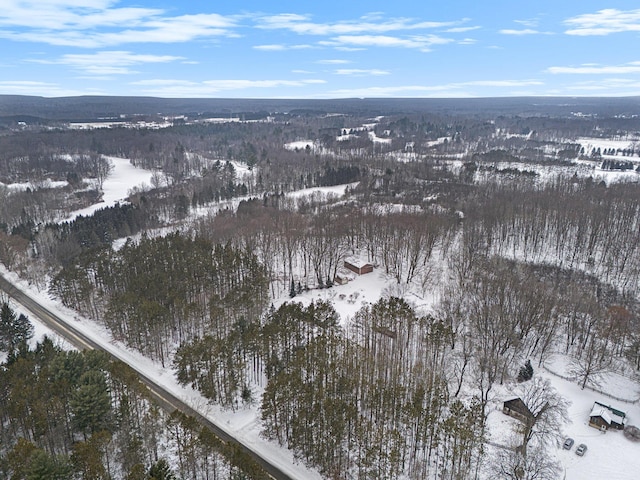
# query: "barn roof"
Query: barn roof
{"points": [[357, 262]]}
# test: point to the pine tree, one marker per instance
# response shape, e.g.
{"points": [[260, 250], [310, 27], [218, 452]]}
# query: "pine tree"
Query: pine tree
{"points": [[14, 330], [161, 471], [7, 320], [526, 372], [47, 467], [91, 402], [292, 289]]}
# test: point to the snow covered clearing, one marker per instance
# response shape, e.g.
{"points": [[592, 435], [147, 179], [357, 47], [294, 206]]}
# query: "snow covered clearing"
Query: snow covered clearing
{"points": [[375, 139], [116, 187], [19, 187], [335, 190], [589, 143], [300, 145]]}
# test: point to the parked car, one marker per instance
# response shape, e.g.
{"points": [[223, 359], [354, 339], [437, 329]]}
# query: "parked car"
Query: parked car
{"points": [[582, 448], [568, 443]]}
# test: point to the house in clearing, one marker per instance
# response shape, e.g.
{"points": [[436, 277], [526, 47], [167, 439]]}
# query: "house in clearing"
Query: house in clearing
{"points": [[605, 417], [358, 266], [516, 408]]}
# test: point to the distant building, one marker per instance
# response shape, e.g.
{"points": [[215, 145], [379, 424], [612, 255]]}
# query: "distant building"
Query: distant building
{"points": [[358, 266], [516, 408], [605, 417]]}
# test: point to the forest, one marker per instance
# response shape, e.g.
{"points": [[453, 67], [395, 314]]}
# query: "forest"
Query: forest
{"points": [[503, 239]]}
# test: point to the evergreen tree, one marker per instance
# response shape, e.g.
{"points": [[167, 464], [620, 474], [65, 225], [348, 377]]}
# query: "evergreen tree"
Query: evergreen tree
{"points": [[91, 402], [14, 330], [161, 471], [292, 289], [526, 372], [49, 467]]}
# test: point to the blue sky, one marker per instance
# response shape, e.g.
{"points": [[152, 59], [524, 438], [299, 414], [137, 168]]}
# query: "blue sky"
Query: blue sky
{"points": [[319, 49]]}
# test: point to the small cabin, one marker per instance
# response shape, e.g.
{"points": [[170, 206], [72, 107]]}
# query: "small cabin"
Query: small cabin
{"points": [[358, 267], [604, 417], [516, 408], [340, 280]]}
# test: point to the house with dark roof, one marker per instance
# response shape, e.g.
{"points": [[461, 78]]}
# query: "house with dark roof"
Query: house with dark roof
{"points": [[516, 408], [604, 417]]}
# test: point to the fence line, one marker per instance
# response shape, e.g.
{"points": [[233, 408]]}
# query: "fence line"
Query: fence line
{"points": [[572, 380]]}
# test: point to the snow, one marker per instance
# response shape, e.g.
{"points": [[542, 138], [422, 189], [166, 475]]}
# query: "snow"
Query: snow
{"points": [[375, 139], [300, 145], [439, 141], [20, 187], [590, 143], [117, 186], [347, 299], [335, 190]]}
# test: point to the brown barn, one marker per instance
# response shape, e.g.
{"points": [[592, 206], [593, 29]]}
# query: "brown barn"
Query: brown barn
{"points": [[605, 417], [358, 267], [516, 408]]}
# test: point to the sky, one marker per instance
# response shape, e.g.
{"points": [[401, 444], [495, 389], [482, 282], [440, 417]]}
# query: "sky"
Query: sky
{"points": [[319, 49]]}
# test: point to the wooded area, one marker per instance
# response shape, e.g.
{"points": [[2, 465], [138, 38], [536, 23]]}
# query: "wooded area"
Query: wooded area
{"points": [[497, 242]]}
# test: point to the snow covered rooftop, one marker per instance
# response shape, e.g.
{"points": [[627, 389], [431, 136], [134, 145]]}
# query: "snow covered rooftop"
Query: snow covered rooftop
{"points": [[608, 414]]}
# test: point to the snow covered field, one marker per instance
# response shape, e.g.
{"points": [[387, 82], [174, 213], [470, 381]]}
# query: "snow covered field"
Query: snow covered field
{"points": [[116, 187]]}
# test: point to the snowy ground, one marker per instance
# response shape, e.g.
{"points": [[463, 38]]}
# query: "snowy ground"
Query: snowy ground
{"points": [[610, 455], [116, 187], [34, 185], [300, 145]]}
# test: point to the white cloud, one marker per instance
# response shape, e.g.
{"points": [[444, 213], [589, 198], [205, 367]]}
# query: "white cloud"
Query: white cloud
{"points": [[58, 15], [526, 31], [467, 41], [333, 62], [595, 69], [44, 89], [604, 22], [187, 88], [279, 48], [461, 29], [350, 49], [422, 43], [108, 62], [270, 48], [500, 83], [456, 89], [97, 24], [360, 72], [372, 23], [531, 22]]}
